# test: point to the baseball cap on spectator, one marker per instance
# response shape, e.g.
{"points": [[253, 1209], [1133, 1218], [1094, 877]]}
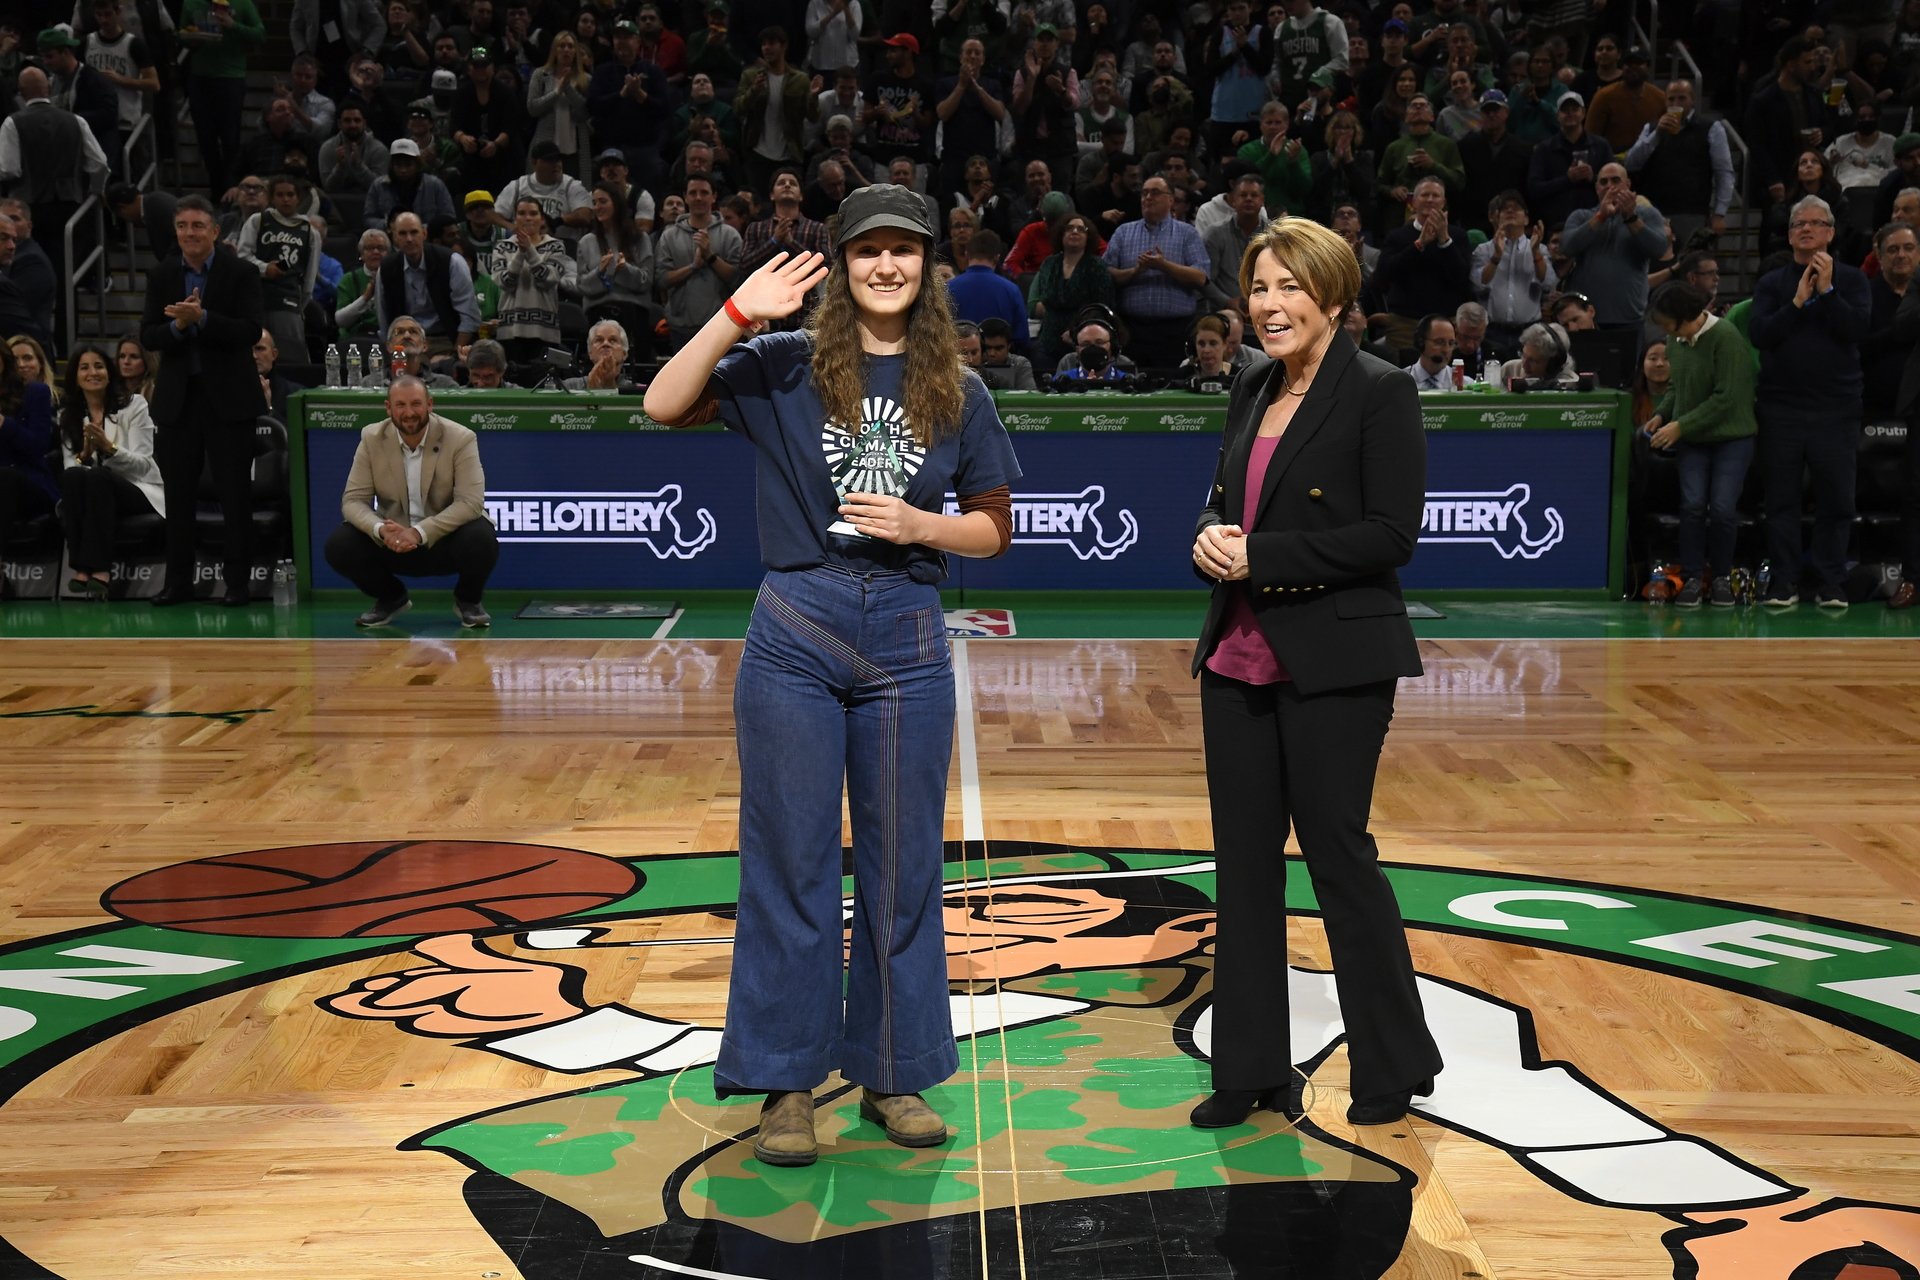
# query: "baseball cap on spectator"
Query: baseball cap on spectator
{"points": [[56, 38], [545, 149], [1906, 144], [717, 6], [1493, 98], [1570, 96], [445, 79], [1637, 54], [625, 28], [1394, 27], [882, 204], [479, 197], [1046, 29], [610, 153], [420, 111], [404, 147], [905, 40], [480, 53]]}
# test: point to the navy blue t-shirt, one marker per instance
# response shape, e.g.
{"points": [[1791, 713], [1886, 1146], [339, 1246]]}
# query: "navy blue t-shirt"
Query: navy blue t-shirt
{"points": [[765, 390]]}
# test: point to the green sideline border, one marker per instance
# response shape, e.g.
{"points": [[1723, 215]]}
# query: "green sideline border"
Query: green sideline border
{"points": [[1049, 615]]}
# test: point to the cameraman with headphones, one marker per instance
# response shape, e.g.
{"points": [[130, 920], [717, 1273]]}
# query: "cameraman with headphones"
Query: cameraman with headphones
{"points": [[1545, 363], [1096, 355]]}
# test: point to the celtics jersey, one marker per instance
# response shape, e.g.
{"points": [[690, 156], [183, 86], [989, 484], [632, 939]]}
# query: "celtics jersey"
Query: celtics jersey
{"points": [[1305, 50], [293, 245]]}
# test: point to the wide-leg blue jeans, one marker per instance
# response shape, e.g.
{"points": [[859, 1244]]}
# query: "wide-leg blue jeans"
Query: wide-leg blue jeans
{"points": [[846, 683]]}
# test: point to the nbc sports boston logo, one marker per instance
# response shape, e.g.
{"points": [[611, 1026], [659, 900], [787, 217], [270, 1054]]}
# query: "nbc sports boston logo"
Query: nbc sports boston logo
{"points": [[650, 518]]}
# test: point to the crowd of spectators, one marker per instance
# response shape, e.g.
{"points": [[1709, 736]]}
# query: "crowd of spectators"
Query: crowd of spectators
{"points": [[471, 184]]}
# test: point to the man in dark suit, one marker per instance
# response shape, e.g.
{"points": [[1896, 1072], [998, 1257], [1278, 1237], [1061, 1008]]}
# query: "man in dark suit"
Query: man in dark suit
{"points": [[203, 314]]}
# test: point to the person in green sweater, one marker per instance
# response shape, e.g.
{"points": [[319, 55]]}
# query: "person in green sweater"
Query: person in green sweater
{"points": [[219, 36], [1706, 417], [1416, 154], [1284, 164]]}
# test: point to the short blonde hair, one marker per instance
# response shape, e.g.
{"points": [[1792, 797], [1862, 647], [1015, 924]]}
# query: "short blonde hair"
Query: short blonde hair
{"points": [[1320, 261]]}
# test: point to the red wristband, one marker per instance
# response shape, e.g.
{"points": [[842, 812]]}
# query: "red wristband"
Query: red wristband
{"points": [[739, 317]]}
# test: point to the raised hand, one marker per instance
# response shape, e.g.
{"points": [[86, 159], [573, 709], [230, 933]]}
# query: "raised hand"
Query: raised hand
{"points": [[780, 288]]}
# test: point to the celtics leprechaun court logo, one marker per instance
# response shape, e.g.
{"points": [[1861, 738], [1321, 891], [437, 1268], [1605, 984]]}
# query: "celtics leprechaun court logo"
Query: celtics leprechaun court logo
{"points": [[1080, 986]]}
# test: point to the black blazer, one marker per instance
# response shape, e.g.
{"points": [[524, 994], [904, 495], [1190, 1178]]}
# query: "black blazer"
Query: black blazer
{"points": [[224, 342], [1339, 512]]}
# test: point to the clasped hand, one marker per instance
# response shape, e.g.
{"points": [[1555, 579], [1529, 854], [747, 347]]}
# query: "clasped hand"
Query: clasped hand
{"points": [[888, 519], [399, 537], [1221, 552], [187, 312]]}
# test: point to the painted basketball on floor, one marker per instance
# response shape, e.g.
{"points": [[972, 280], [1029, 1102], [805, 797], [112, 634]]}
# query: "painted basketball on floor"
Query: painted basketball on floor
{"points": [[373, 888]]}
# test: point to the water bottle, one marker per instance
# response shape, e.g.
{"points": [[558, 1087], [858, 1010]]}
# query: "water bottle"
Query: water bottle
{"points": [[286, 586], [333, 364], [377, 363], [1764, 578], [352, 378], [1658, 587]]}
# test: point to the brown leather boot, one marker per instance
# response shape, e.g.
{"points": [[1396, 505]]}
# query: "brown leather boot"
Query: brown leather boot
{"points": [[786, 1129], [906, 1117]]}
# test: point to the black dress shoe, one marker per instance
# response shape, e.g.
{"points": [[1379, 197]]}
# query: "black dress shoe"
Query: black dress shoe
{"points": [[171, 596], [1387, 1107], [1225, 1108], [237, 598]]}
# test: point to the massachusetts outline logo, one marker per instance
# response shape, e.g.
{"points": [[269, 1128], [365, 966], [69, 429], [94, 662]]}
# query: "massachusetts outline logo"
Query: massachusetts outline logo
{"points": [[1110, 1003], [1493, 517], [644, 517], [1070, 520]]}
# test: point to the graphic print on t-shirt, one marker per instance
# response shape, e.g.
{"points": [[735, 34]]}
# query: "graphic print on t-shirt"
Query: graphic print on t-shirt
{"points": [[879, 454]]}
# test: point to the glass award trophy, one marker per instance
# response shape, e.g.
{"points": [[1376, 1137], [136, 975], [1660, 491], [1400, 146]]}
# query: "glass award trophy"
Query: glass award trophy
{"points": [[880, 455]]}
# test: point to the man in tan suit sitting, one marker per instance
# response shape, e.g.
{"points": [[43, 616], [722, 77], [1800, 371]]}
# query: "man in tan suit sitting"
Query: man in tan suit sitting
{"points": [[415, 504]]}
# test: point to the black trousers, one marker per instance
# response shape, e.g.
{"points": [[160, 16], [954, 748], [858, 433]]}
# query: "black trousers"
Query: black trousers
{"points": [[1794, 445], [1910, 506], [183, 447], [470, 551], [1275, 760], [92, 500]]}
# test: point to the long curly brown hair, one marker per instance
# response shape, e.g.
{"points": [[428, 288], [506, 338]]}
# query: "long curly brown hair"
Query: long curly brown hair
{"points": [[934, 382]]}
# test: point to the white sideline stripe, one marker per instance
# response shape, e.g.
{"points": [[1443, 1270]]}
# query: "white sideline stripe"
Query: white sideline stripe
{"points": [[667, 626], [973, 825], [647, 1260]]}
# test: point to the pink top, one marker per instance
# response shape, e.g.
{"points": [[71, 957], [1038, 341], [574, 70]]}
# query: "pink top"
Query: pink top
{"points": [[1243, 653]]}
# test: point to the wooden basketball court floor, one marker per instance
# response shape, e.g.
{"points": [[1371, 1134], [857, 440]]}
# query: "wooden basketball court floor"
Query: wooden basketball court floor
{"points": [[1662, 896]]}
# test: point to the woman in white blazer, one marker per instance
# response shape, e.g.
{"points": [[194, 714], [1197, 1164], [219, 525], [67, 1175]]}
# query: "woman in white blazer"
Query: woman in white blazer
{"points": [[106, 442]]}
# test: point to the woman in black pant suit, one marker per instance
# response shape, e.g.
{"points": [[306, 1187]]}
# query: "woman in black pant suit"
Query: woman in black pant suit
{"points": [[1316, 500]]}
